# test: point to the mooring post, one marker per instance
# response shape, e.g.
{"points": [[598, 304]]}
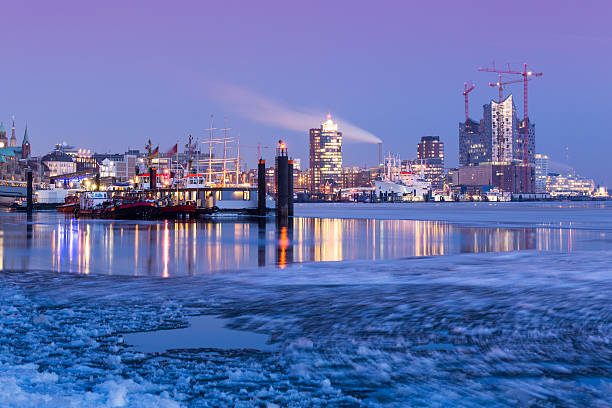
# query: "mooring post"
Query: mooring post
{"points": [[290, 188], [282, 184], [29, 193], [261, 187]]}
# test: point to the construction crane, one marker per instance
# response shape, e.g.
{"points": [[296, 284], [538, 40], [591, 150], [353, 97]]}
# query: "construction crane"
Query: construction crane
{"points": [[467, 88], [527, 76], [501, 84]]}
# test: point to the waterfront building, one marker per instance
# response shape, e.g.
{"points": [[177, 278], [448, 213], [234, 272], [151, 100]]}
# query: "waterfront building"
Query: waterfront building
{"points": [[57, 163], [430, 154], [569, 185], [511, 178], [325, 157], [601, 192], [502, 127], [13, 158], [498, 138], [10, 168], [541, 172], [356, 177], [430, 148], [84, 160], [297, 164], [474, 148], [271, 180], [121, 167]]}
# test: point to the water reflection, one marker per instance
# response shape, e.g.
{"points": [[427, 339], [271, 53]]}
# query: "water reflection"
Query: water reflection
{"points": [[173, 248]]}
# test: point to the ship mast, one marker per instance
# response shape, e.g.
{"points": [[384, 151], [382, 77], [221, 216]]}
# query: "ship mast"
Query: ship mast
{"points": [[210, 141]]}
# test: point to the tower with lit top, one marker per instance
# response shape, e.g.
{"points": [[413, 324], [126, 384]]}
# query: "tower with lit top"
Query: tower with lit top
{"points": [[13, 141], [325, 157]]}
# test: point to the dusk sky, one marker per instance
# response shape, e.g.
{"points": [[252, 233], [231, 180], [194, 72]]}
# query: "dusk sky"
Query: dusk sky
{"points": [[110, 75]]}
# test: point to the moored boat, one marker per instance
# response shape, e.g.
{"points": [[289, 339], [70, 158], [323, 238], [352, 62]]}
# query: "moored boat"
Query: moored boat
{"points": [[139, 209], [177, 211], [71, 204]]}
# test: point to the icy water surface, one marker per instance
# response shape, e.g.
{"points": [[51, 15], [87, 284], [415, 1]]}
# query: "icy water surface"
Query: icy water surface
{"points": [[62, 243], [520, 326], [203, 331]]}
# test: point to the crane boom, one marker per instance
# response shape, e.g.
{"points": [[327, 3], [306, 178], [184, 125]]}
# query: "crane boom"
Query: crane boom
{"points": [[527, 76], [466, 90]]}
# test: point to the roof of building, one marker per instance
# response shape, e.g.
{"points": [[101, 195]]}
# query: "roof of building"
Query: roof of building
{"points": [[8, 151], [56, 156]]}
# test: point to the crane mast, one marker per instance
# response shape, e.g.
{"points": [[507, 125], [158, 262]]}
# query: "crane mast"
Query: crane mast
{"points": [[466, 90]]}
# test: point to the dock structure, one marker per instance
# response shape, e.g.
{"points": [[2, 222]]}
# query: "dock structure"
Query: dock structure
{"points": [[282, 184], [261, 187], [29, 193], [152, 178], [290, 188]]}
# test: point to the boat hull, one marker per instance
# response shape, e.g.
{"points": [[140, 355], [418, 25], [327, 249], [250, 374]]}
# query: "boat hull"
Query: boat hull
{"points": [[134, 211]]}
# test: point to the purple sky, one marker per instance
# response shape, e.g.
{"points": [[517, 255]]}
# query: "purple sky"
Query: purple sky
{"points": [[110, 76]]}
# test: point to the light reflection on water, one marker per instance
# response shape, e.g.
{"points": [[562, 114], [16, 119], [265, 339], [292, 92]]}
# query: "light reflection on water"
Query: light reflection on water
{"points": [[174, 248]]}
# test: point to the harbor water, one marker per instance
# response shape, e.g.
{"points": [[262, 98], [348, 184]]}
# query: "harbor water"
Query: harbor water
{"points": [[352, 305]]}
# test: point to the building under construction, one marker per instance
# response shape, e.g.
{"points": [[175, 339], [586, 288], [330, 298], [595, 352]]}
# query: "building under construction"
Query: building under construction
{"points": [[498, 151]]}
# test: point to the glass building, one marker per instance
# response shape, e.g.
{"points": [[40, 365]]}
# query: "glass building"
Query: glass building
{"points": [[541, 172], [498, 138], [474, 148], [430, 153], [325, 157], [569, 185]]}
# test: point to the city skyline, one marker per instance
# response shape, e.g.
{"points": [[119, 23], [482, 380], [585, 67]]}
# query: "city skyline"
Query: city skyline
{"points": [[72, 79]]}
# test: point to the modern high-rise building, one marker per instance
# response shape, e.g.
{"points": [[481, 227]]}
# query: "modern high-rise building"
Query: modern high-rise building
{"points": [[325, 157], [431, 147], [430, 154], [474, 148], [501, 127], [498, 138], [497, 142], [541, 172]]}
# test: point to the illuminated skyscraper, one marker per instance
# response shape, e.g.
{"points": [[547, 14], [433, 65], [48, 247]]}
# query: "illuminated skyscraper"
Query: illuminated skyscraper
{"points": [[503, 128], [430, 154], [431, 147], [325, 156], [498, 138], [541, 172], [474, 148]]}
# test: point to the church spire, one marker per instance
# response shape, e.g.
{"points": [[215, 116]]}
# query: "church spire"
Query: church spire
{"points": [[13, 141], [26, 149]]}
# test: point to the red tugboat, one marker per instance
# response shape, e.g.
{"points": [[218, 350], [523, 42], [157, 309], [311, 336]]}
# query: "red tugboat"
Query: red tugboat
{"points": [[133, 207], [71, 205], [178, 211]]}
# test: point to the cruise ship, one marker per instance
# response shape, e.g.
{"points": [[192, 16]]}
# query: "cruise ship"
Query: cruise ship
{"points": [[399, 185]]}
